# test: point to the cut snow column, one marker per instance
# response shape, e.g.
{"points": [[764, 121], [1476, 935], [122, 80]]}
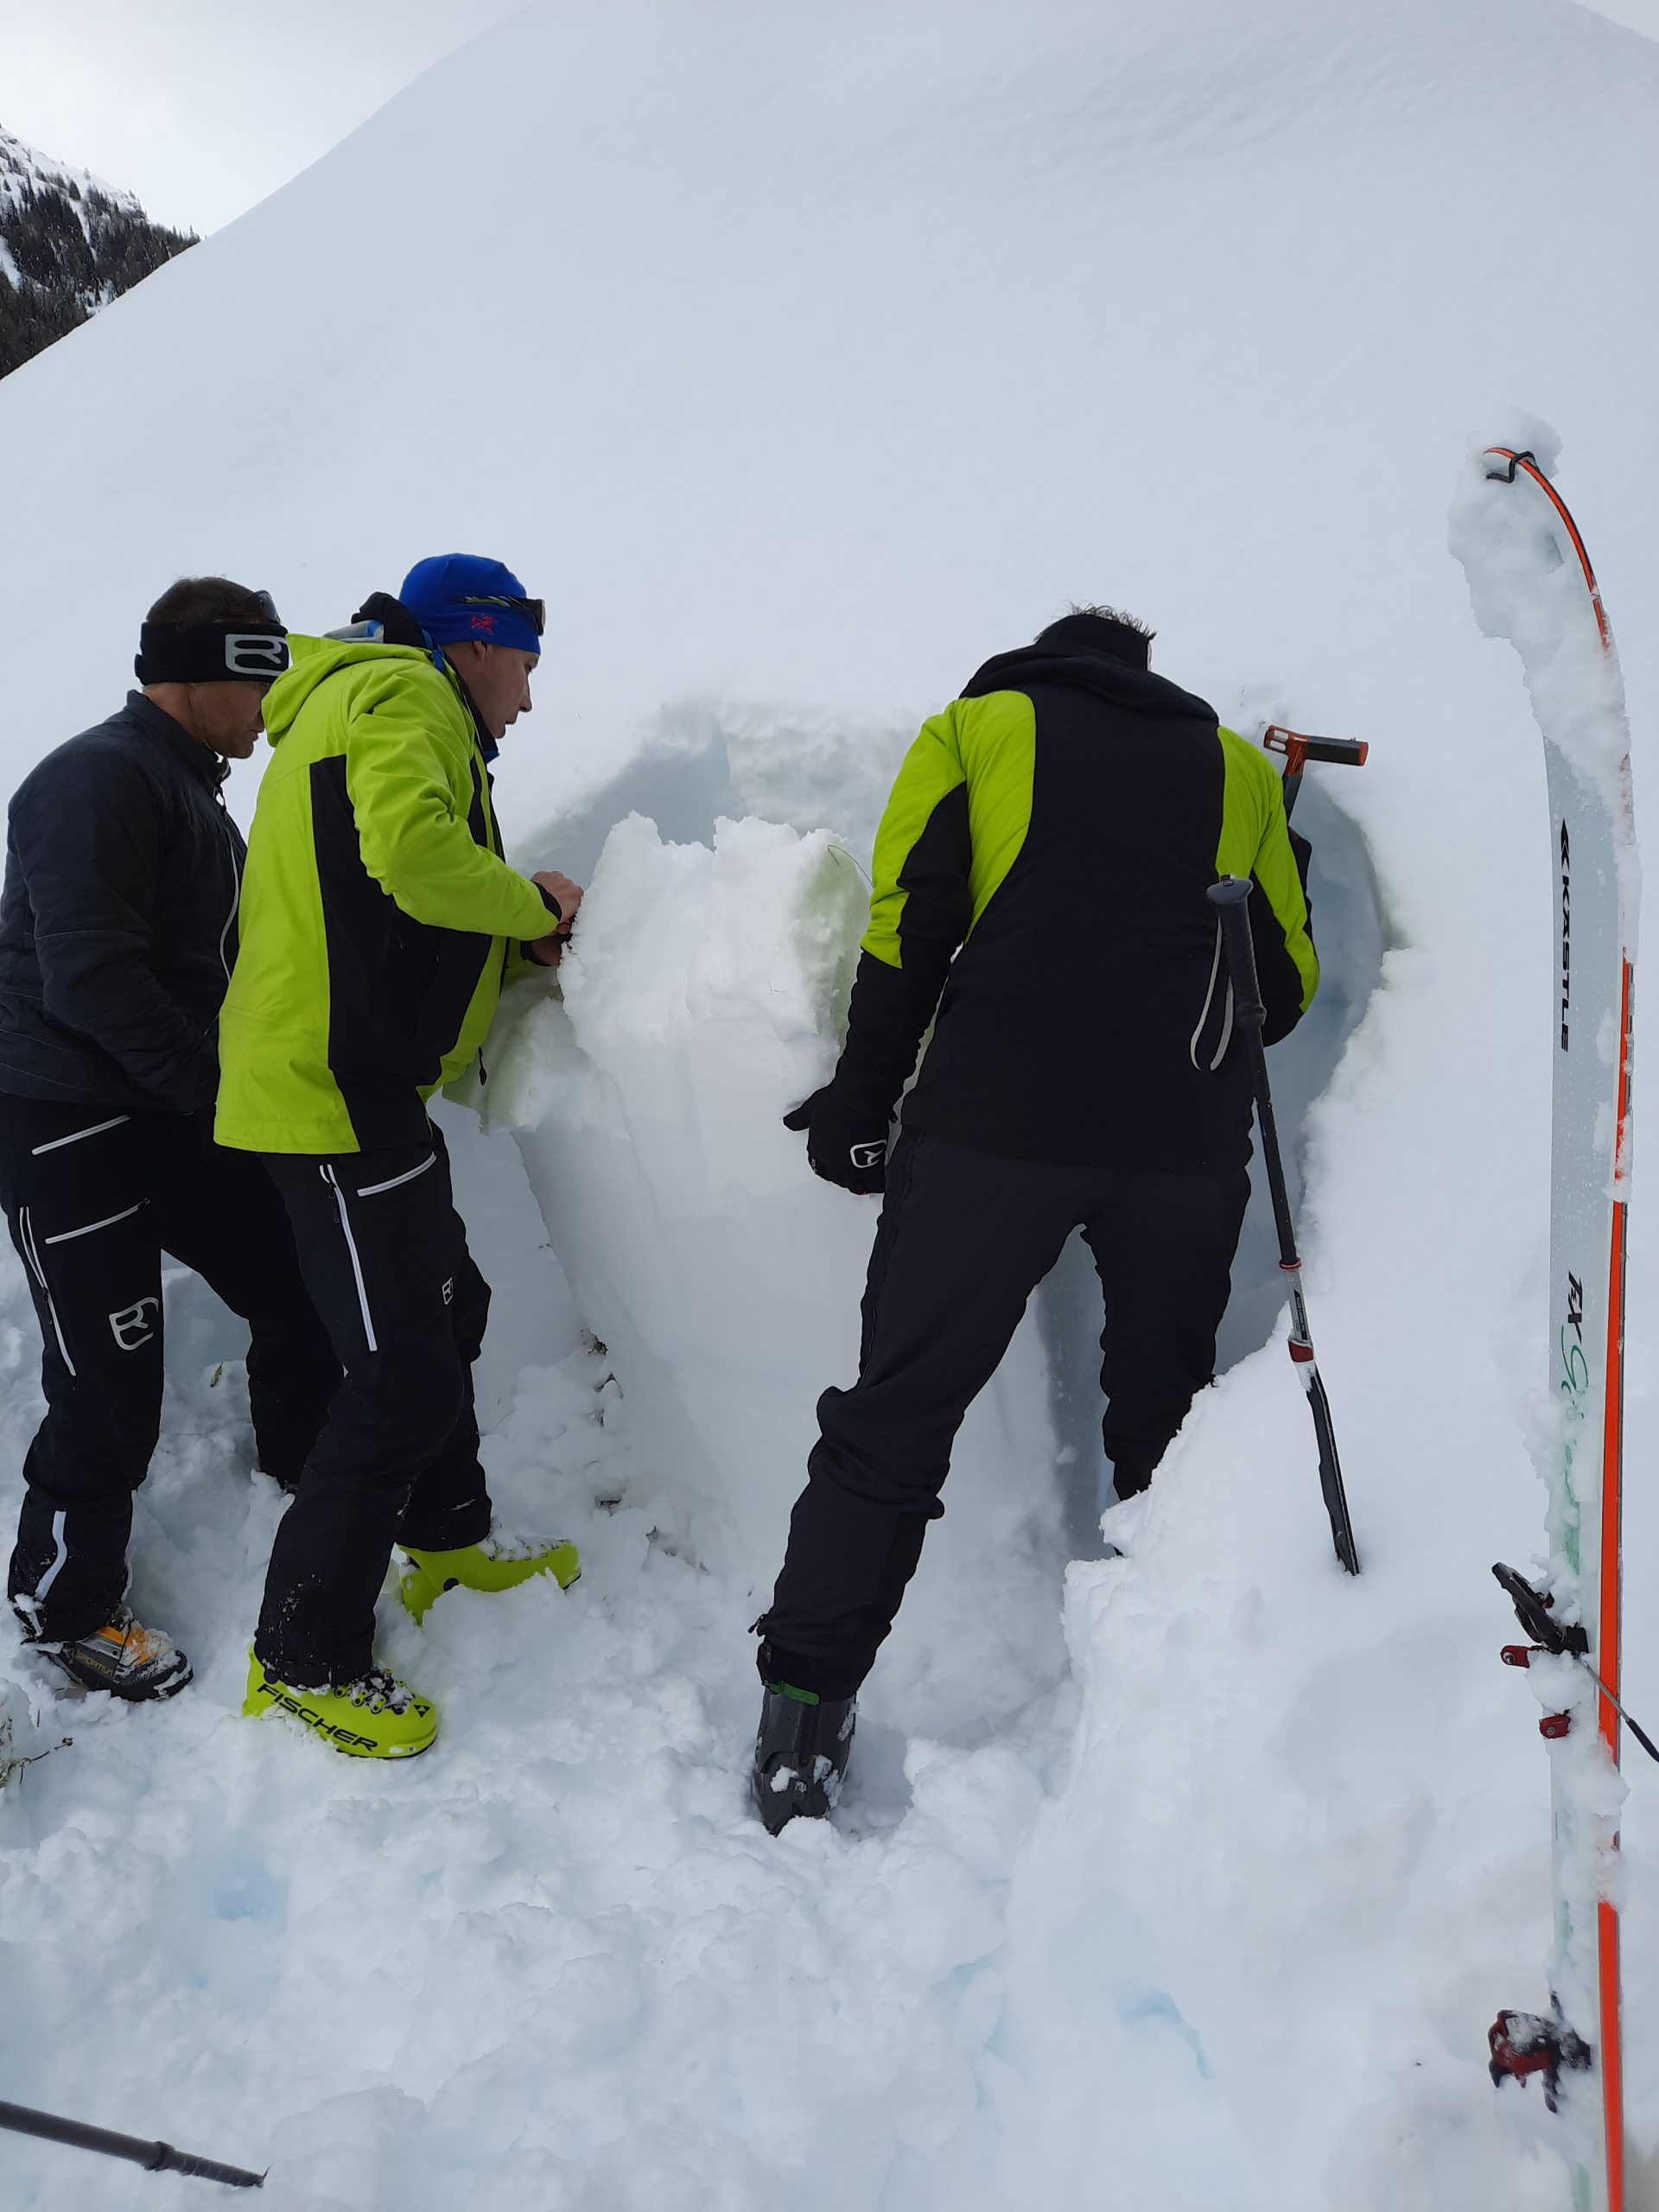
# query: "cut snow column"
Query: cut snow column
{"points": [[699, 1002], [703, 997]]}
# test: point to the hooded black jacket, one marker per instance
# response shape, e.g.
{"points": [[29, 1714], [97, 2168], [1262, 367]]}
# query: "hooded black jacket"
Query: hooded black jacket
{"points": [[118, 918]]}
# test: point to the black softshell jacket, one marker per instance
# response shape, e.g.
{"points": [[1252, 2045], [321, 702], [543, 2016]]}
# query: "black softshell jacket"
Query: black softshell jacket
{"points": [[1061, 823], [117, 920]]}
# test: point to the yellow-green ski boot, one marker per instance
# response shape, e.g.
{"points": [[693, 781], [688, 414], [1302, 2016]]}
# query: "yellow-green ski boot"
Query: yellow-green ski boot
{"points": [[376, 1717], [501, 1562]]}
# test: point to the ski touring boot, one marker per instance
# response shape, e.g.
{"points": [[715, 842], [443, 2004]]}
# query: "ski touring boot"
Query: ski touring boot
{"points": [[800, 1755], [501, 1561], [124, 1658], [376, 1717]]}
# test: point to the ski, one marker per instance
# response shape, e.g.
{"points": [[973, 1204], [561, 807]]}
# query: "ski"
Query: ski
{"points": [[1532, 583]]}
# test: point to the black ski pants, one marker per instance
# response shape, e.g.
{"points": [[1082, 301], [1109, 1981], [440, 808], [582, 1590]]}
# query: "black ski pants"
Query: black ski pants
{"points": [[965, 1238], [383, 1254], [94, 1199]]}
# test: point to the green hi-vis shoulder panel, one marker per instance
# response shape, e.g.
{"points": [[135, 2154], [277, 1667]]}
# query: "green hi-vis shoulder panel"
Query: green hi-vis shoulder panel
{"points": [[1255, 841], [989, 743]]}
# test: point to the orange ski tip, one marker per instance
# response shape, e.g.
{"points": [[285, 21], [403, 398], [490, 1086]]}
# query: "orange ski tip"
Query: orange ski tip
{"points": [[1525, 463]]}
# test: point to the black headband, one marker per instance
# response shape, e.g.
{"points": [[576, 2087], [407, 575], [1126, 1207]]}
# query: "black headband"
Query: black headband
{"points": [[210, 652]]}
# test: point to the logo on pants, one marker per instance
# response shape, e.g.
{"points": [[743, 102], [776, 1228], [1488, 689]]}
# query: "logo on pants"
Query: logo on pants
{"points": [[129, 1327], [449, 1292]]}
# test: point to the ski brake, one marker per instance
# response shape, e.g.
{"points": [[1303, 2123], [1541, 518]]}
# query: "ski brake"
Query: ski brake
{"points": [[1524, 2042]]}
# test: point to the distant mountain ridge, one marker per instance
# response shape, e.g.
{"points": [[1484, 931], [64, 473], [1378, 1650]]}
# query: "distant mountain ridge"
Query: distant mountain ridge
{"points": [[69, 244]]}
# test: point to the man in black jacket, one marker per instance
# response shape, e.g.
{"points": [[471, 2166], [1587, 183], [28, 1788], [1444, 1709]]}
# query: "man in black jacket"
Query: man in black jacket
{"points": [[118, 934], [1040, 880]]}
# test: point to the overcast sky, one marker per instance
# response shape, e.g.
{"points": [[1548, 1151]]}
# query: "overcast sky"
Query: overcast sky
{"points": [[203, 106], [1639, 14]]}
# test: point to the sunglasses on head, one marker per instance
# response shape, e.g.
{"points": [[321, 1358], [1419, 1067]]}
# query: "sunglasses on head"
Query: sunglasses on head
{"points": [[534, 610]]}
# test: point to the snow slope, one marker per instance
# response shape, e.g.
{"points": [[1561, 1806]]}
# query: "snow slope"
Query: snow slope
{"points": [[803, 358]]}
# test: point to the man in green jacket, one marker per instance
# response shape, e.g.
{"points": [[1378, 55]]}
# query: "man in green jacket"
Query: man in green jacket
{"points": [[379, 917], [1041, 880]]}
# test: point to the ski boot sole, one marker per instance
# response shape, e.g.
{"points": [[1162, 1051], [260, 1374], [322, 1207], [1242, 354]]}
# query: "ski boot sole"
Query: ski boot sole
{"points": [[155, 1692]]}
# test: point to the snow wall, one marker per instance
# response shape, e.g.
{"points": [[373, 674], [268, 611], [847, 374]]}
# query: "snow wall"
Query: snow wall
{"points": [[803, 358], [705, 996]]}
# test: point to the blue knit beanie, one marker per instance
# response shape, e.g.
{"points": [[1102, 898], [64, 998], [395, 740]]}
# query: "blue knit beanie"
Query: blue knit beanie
{"points": [[444, 595]]}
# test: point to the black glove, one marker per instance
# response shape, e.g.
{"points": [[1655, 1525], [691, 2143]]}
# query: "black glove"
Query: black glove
{"points": [[846, 1148]]}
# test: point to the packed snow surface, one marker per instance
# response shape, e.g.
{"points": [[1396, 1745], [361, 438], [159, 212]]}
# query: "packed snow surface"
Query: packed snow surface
{"points": [[803, 358]]}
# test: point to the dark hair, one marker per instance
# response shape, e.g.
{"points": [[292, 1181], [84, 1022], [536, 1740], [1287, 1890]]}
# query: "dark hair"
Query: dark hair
{"points": [[1067, 630], [194, 600]]}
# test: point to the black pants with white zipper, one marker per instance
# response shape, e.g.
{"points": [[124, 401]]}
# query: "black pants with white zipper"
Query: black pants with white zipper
{"points": [[384, 1256], [94, 1199]]}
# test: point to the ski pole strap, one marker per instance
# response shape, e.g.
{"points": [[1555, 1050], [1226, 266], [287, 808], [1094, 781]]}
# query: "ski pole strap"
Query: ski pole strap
{"points": [[154, 2158], [1231, 900]]}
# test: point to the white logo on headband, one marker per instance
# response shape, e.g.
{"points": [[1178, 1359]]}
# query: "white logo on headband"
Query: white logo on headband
{"points": [[254, 652]]}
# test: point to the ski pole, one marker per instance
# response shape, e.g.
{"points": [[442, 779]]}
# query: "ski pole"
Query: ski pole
{"points": [[1230, 896], [154, 2158]]}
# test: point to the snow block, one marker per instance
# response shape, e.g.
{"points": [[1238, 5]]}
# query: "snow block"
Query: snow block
{"points": [[700, 1003], [703, 997]]}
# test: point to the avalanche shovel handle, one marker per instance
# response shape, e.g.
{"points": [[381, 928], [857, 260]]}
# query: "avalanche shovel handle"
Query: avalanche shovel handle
{"points": [[1299, 748], [154, 2158]]}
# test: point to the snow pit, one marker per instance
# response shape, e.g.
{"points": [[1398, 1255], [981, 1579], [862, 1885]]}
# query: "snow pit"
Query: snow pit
{"points": [[847, 345]]}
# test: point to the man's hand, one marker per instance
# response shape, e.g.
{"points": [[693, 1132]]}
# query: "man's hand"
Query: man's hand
{"points": [[848, 1149], [566, 897]]}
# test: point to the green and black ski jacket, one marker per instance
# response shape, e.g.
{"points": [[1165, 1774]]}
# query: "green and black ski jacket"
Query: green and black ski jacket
{"points": [[1040, 874], [377, 913]]}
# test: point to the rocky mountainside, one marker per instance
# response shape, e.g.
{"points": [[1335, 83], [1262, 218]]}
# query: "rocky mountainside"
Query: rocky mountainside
{"points": [[68, 246]]}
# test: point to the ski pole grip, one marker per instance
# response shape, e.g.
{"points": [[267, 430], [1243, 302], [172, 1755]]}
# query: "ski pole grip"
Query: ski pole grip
{"points": [[1231, 900], [1339, 751]]}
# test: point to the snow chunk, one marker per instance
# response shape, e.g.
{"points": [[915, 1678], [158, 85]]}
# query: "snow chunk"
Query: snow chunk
{"points": [[701, 997]]}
